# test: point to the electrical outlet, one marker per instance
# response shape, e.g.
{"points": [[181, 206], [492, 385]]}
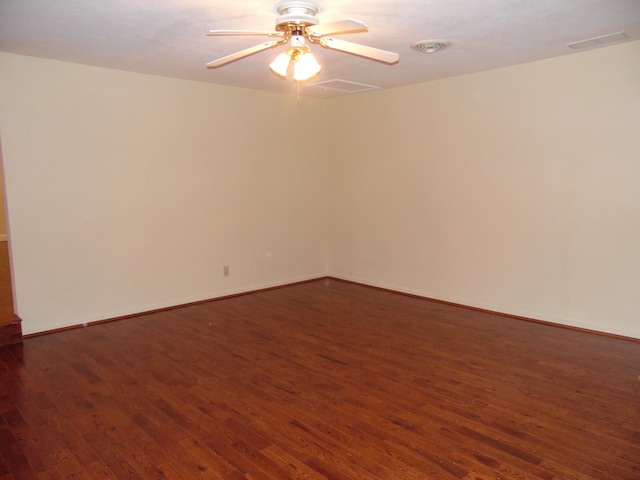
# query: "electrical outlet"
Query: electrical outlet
{"points": [[225, 271]]}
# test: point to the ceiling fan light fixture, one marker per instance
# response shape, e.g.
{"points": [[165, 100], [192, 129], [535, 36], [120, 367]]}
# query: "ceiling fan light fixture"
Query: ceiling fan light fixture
{"points": [[297, 24], [281, 64], [305, 67]]}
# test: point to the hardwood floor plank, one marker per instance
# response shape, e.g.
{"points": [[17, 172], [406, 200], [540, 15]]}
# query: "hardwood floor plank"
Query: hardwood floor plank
{"points": [[325, 379], [298, 469], [13, 457]]}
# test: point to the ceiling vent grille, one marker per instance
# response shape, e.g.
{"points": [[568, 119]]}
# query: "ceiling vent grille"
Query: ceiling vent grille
{"points": [[343, 86], [430, 46], [597, 41]]}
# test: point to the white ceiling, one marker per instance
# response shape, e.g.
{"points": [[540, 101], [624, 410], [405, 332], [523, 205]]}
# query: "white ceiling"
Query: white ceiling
{"points": [[168, 37]]}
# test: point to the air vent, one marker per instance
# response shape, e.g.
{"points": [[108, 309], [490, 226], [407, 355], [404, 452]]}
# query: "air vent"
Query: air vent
{"points": [[430, 46], [343, 86], [597, 41]]}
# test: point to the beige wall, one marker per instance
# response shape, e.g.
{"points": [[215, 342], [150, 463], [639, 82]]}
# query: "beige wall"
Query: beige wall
{"points": [[513, 190], [130, 192], [516, 190]]}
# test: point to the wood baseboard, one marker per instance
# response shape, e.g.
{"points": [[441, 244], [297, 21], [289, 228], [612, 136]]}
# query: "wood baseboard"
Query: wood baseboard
{"points": [[174, 307], [492, 312], [11, 333], [328, 277]]}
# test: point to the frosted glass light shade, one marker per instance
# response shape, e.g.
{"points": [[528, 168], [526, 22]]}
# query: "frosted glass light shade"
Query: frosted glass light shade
{"points": [[281, 64], [305, 67]]}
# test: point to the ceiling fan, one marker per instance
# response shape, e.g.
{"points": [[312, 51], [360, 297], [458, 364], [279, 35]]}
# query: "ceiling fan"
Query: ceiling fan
{"points": [[297, 24]]}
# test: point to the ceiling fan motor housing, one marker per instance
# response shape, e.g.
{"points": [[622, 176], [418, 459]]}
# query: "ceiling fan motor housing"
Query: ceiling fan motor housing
{"points": [[295, 15]]}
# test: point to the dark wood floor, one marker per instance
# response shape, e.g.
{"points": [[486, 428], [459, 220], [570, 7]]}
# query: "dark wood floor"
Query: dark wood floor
{"points": [[323, 380]]}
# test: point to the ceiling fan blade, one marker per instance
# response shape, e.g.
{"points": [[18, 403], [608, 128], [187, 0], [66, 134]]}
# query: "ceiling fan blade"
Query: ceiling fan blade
{"points": [[241, 54], [344, 26], [362, 50], [213, 33]]}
